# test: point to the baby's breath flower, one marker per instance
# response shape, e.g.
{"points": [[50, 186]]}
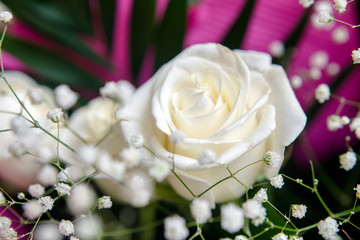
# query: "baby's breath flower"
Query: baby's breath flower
{"points": [[55, 115], [32, 209], [46, 203], [5, 17], [74, 238], [66, 227], [333, 122], [175, 228], [36, 190], [104, 202], [325, 16], [232, 218], [272, 159], [295, 238], [261, 196], [159, 170], [357, 189], [356, 56], [9, 234], [252, 208], [306, 3], [2, 199], [328, 228], [177, 137], [4, 223], [340, 5], [65, 97], [260, 219], [322, 93], [280, 236], [207, 156], [277, 181], [298, 210], [347, 160], [63, 189], [240, 237], [200, 210]]}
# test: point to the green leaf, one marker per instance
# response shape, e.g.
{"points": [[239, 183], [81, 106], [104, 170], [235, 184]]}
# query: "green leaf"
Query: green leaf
{"points": [[235, 36], [53, 23], [170, 36], [141, 32], [55, 68]]}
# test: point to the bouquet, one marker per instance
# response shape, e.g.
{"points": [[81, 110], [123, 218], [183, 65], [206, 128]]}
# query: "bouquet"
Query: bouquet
{"points": [[179, 120]]}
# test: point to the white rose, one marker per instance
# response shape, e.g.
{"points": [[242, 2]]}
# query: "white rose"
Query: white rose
{"points": [[235, 103], [23, 172]]}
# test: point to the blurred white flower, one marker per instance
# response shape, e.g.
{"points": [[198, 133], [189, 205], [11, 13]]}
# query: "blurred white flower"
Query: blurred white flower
{"points": [[200, 210], [232, 218], [347, 160], [175, 228], [328, 228], [65, 97]]}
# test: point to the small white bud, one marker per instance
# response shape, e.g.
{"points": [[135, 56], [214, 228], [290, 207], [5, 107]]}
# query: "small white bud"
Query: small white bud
{"points": [[333, 122], [55, 115], [340, 5], [159, 170], [2, 199], [272, 159], [21, 196]]}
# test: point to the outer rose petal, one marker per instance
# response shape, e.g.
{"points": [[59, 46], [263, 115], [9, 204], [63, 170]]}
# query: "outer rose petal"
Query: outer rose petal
{"points": [[290, 118]]}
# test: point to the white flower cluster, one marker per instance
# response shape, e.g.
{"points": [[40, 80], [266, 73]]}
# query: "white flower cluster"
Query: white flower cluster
{"points": [[6, 231], [175, 228], [347, 160], [322, 93], [328, 228]]}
